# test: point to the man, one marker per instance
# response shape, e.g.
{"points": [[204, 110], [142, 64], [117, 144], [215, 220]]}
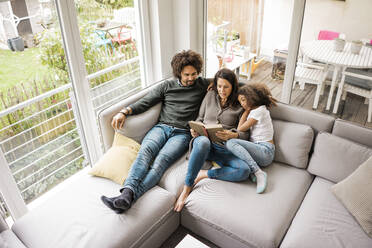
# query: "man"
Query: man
{"points": [[169, 138]]}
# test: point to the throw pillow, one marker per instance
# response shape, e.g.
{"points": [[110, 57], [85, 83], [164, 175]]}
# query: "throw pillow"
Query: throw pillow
{"points": [[116, 162], [355, 194]]}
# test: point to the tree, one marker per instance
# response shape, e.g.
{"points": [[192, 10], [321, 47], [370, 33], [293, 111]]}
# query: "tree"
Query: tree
{"points": [[117, 4]]}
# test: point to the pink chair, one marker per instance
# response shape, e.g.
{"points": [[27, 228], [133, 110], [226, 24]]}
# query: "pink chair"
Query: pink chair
{"points": [[327, 35]]}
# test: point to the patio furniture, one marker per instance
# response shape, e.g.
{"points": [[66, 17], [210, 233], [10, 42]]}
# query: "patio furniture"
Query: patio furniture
{"points": [[311, 74], [329, 35], [358, 82], [322, 51], [124, 35], [103, 41]]}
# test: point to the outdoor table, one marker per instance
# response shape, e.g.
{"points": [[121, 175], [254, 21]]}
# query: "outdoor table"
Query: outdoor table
{"points": [[238, 61], [322, 51]]}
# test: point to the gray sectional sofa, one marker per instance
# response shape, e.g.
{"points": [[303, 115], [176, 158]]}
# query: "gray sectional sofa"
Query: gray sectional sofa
{"points": [[313, 152]]}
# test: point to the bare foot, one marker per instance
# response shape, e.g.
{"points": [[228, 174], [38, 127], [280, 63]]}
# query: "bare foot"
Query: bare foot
{"points": [[201, 175], [182, 198]]}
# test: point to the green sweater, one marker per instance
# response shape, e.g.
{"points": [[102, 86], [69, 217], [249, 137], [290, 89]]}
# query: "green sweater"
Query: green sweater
{"points": [[180, 103]]}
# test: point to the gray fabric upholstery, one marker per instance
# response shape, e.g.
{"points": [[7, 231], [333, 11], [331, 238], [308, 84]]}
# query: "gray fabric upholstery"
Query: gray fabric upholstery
{"points": [[174, 177], [322, 221], [362, 83], [318, 121], [335, 158], [137, 126], [353, 132], [293, 142], [9, 240], [234, 211], [3, 225], [76, 217]]}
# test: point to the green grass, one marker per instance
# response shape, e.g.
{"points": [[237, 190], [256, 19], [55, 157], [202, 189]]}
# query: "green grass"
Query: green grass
{"points": [[17, 67]]}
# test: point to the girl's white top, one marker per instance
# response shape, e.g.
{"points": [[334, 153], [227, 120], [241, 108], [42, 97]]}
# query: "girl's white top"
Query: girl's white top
{"points": [[263, 130]]}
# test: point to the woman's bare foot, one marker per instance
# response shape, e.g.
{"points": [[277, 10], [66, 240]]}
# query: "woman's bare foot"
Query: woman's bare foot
{"points": [[201, 175], [182, 198]]}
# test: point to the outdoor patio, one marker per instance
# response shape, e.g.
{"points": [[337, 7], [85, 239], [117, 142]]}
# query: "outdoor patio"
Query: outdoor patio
{"points": [[355, 110]]}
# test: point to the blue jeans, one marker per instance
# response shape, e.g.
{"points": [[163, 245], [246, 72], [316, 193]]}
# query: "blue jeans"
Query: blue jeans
{"points": [[255, 154], [232, 168], [160, 148]]}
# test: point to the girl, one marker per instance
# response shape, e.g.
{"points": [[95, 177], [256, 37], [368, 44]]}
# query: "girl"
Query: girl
{"points": [[255, 99]]}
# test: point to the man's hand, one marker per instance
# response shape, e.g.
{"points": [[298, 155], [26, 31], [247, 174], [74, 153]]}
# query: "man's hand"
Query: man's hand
{"points": [[193, 133], [118, 121], [226, 135]]}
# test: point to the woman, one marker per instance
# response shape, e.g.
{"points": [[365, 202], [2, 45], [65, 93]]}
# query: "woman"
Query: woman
{"points": [[219, 105]]}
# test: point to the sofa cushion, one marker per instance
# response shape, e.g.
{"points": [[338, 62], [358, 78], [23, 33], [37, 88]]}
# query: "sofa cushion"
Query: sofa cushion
{"points": [[76, 217], [232, 214], [335, 158], [292, 143], [136, 127], [355, 193], [116, 162], [9, 240], [322, 221], [353, 132], [174, 177], [318, 121]]}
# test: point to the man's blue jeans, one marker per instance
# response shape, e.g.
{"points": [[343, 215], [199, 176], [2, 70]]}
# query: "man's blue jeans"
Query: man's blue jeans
{"points": [[232, 168], [160, 148], [254, 153]]}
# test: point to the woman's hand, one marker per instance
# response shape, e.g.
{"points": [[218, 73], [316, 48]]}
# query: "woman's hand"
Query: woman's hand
{"points": [[118, 121], [226, 135], [193, 133]]}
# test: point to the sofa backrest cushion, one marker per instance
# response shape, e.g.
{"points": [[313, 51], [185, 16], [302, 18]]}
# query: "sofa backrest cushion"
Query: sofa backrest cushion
{"points": [[353, 132], [318, 121], [137, 126], [292, 143], [334, 158]]}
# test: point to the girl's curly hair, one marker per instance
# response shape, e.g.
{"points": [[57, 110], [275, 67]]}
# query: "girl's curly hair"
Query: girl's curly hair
{"points": [[230, 76], [185, 58], [257, 94]]}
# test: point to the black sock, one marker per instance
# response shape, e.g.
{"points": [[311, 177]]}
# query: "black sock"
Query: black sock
{"points": [[109, 202], [124, 201]]}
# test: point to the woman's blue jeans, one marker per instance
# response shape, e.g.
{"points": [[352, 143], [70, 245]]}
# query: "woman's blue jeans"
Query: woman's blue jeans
{"points": [[254, 153], [232, 168], [160, 148]]}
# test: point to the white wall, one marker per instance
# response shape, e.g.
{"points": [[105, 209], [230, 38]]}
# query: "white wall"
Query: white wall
{"points": [[276, 25], [351, 17], [175, 25]]}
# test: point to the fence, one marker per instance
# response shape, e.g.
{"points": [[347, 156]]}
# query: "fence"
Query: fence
{"points": [[39, 135]]}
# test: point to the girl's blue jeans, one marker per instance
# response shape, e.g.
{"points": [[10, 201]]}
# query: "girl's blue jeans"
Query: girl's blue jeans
{"points": [[232, 168], [160, 148], [255, 154]]}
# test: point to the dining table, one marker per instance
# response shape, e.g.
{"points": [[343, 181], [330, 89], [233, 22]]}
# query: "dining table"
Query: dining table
{"points": [[322, 51]]}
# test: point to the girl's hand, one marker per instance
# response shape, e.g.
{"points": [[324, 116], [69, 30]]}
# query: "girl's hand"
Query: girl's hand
{"points": [[193, 133], [226, 135]]}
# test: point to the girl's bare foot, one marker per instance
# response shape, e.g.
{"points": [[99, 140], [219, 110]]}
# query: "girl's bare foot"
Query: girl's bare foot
{"points": [[201, 175], [182, 198]]}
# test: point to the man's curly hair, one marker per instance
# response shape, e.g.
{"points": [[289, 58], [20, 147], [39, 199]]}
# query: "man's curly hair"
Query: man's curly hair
{"points": [[185, 58], [257, 94]]}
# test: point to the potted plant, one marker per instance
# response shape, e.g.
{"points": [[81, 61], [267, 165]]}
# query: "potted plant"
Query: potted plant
{"points": [[339, 44], [356, 46]]}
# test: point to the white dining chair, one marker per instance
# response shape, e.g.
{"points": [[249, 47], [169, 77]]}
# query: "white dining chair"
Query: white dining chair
{"points": [[311, 74], [356, 81]]}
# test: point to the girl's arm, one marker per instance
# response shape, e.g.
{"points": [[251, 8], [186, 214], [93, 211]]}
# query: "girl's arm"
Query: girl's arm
{"points": [[243, 118], [246, 125]]}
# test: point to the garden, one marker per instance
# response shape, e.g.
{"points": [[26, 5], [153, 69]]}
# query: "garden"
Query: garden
{"points": [[40, 140]]}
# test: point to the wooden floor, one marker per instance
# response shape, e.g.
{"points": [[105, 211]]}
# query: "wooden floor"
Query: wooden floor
{"points": [[353, 109]]}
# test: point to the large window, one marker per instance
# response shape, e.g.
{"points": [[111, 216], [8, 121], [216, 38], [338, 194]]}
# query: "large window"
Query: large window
{"points": [[41, 135]]}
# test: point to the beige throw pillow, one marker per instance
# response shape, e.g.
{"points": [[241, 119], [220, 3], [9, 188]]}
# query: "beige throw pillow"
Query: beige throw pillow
{"points": [[355, 193], [116, 162]]}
